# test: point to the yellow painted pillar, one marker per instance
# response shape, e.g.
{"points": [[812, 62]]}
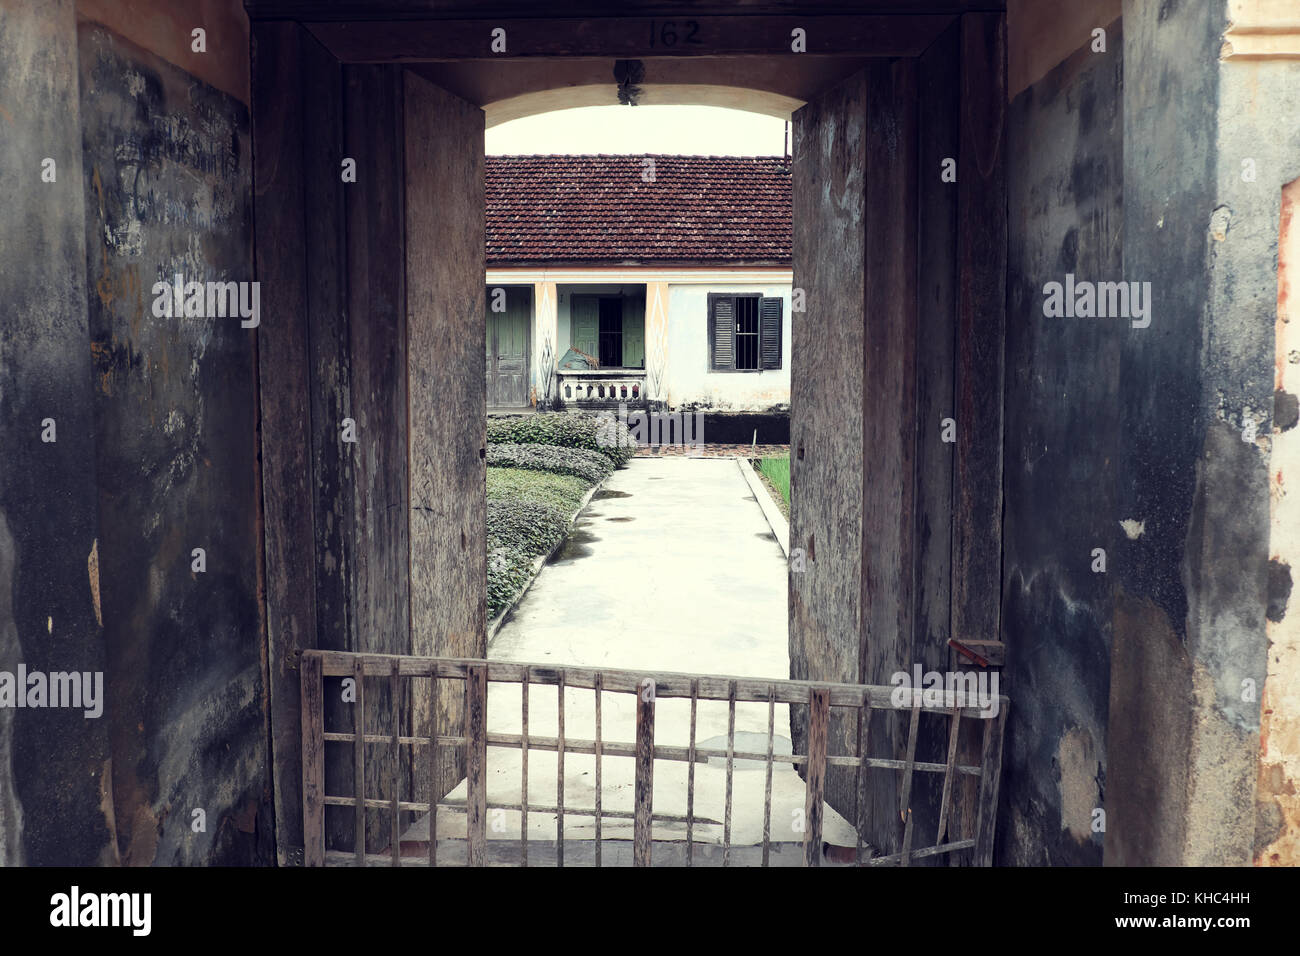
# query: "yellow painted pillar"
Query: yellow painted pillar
{"points": [[656, 341], [546, 338]]}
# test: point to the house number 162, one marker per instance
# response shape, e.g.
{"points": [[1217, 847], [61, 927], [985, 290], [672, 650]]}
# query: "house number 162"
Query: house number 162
{"points": [[667, 32]]}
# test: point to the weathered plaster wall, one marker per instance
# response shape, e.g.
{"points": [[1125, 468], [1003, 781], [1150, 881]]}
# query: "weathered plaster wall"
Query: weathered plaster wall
{"points": [[1191, 591], [55, 769], [155, 452], [1277, 835], [1065, 155], [1252, 358], [1139, 687], [168, 190]]}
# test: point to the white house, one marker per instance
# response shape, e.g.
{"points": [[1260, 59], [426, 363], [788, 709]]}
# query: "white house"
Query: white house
{"points": [[638, 279]]}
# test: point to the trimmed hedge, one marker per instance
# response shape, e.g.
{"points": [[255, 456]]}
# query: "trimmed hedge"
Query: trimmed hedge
{"points": [[507, 573], [563, 491], [530, 527], [600, 433], [591, 466]]}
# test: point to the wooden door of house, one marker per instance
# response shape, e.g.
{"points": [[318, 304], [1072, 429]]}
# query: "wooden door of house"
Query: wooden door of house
{"points": [[507, 352]]}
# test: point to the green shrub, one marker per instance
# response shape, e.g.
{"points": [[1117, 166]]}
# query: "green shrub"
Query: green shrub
{"points": [[591, 466], [600, 433], [507, 573], [530, 527], [563, 491]]}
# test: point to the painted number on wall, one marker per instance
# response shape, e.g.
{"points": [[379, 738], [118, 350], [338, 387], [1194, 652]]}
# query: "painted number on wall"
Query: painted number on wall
{"points": [[665, 32]]}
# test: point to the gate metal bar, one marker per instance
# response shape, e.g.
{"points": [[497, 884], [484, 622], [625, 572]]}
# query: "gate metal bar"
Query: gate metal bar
{"points": [[819, 699]]}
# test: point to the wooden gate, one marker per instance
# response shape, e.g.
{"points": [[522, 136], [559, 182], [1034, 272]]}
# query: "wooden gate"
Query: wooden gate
{"points": [[474, 823]]}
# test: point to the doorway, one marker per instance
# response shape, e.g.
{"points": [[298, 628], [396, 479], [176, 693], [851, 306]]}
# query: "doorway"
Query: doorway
{"points": [[898, 529], [508, 350]]}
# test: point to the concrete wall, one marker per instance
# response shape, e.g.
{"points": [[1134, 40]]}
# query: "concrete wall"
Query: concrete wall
{"points": [[55, 766], [686, 373], [156, 450], [1137, 690], [1065, 214]]}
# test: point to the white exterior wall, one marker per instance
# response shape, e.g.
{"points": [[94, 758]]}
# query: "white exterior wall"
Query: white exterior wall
{"points": [[687, 376], [676, 329]]}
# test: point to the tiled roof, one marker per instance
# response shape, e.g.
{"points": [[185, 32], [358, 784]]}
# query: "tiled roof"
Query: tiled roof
{"points": [[599, 209]]}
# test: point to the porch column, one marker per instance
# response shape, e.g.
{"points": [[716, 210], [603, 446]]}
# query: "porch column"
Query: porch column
{"points": [[546, 340], [656, 341]]}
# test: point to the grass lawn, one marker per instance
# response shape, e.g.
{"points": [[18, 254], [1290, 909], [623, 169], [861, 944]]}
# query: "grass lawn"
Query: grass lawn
{"points": [[774, 473], [777, 472]]}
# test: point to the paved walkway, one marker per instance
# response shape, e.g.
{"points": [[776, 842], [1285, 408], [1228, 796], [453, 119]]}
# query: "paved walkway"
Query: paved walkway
{"points": [[672, 567]]}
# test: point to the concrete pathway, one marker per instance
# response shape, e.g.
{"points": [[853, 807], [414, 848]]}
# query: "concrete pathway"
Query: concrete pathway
{"points": [[672, 567]]}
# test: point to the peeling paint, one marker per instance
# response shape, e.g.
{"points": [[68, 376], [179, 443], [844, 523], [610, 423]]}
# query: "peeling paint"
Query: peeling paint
{"points": [[92, 570]]}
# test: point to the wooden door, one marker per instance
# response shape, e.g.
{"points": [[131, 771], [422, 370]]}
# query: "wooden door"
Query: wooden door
{"points": [[507, 352]]}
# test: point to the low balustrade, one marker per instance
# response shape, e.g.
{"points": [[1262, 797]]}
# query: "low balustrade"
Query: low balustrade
{"points": [[602, 388]]}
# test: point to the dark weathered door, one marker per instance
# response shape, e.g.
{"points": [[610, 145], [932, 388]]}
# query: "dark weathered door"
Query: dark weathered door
{"points": [[899, 249]]}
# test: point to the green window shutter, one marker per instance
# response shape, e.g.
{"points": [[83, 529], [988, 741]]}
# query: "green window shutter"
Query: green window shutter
{"points": [[722, 332], [769, 332]]}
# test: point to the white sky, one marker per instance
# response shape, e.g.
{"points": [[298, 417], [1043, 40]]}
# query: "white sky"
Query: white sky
{"points": [[674, 130]]}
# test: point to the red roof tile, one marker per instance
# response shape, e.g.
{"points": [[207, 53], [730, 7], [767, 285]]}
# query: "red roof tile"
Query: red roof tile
{"points": [[598, 209]]}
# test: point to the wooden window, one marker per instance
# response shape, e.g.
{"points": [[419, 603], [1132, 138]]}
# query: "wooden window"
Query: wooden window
{"points": [[744, 332]]}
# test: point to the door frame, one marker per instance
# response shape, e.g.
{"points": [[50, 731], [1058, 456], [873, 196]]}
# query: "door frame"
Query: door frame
{"points": [[299, 83], [528, 349]]}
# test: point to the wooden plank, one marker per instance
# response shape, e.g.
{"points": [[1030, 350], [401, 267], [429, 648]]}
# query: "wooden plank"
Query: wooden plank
{"points": [[445, 304], [313, 763], [905, 802], [523, 766], [859, 780], [361, 10], [888, 419], [826, 517], [283, 390], [667, 684], [981, 332], [359, 759], [767, 782], [690, 778], [990, 778], [329, 352], [395, 769], [815, 781], [559, 773], [731, 764], [938, 106], [376, 347], [434, 794], [597, 690], [476, 764], [643, 797], [449, 40], [328, 356], [954, 730]]}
